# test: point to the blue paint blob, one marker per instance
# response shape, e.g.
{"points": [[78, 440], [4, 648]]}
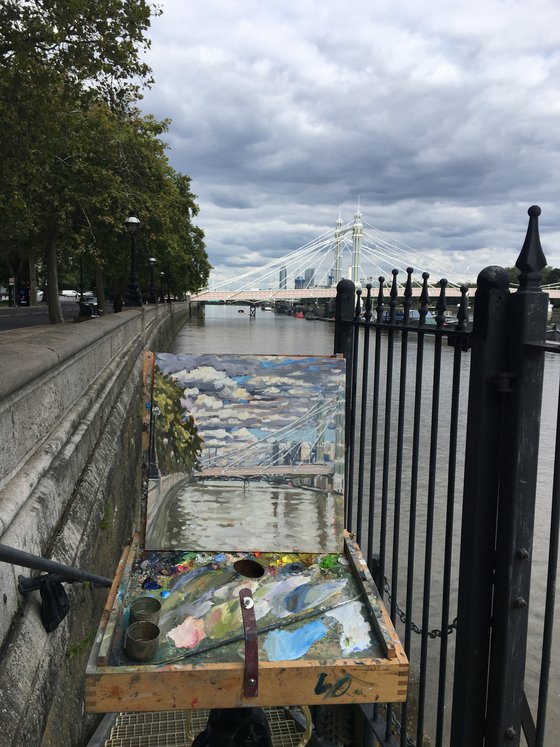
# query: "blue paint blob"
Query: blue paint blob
{"points": [[286, 645], [164, 594], [149, 583], [295, 601]]}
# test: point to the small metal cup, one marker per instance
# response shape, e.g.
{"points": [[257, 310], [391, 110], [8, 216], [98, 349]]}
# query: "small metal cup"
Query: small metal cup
{"points": [[141, 640], [144, 609]]}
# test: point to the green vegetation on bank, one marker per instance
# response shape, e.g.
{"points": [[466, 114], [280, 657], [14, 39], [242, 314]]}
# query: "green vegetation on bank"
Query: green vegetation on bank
{"points": [[77, 156]]}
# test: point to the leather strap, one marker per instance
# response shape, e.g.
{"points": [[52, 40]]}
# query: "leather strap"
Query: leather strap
{"points": [[251, 674]]}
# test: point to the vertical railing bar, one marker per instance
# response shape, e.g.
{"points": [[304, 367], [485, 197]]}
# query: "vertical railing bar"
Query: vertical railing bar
{"points": [[429, 534], [363, 419], [400, 440], [407, 304], [394, 559], [451, 476], [416, 432], [550, 592], [352, 430], [375, 420], [387, 436], [379, 309]]}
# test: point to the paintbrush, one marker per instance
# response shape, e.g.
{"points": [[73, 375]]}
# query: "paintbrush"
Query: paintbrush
{"points": [[265, 629]]}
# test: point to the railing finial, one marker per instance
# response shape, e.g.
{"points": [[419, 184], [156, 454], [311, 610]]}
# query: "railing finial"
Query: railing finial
{"points": [[531, 259]]}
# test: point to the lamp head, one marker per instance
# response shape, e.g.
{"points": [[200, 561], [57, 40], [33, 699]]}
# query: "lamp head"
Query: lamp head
{"points": [[132, 224], [152, 261]]}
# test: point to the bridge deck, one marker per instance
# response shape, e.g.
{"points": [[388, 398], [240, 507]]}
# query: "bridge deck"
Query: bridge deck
{"points": [[288, 470]]}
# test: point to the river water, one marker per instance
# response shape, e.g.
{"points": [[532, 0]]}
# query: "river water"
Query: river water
{"points": [[224, 330]]}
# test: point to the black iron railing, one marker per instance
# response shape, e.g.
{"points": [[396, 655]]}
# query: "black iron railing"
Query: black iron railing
{"points": [[397, 358], [442, 440]]}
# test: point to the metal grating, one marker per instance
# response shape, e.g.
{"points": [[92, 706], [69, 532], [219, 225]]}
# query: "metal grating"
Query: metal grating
{"points": [[178, 729]]}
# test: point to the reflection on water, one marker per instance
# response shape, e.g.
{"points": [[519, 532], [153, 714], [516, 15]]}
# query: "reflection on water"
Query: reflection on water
{"points": [[238, 515]]}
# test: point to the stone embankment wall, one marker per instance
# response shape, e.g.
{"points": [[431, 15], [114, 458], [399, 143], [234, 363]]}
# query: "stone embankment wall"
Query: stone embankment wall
{"points": [[70, 481]]}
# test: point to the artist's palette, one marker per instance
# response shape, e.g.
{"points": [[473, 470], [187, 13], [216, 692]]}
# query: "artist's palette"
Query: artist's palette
{"points": [[324, 634], [261, 598]]}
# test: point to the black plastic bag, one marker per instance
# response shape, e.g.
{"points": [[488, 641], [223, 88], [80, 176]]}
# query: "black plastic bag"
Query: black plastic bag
{"points": [[235, 727], [54, 603]]}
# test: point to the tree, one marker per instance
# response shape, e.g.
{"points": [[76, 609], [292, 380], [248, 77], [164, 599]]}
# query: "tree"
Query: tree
{"points": [[55, 57], [177, 441]]}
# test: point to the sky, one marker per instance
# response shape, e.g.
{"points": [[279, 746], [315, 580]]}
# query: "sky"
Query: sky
{"points": [[440, 120]]}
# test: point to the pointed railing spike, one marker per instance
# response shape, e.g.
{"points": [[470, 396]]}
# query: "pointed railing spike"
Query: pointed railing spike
{"points": [[380, 300], [394, 295], [407, 302], [531, 259], [463, 310], [424, 298], [441, 305], [368, 304], [358, 309]]}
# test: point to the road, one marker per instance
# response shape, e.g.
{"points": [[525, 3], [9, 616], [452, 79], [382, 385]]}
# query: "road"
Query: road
{"points": [[27, 316]]}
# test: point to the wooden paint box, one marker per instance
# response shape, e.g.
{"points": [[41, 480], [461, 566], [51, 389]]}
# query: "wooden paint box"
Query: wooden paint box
{"points": [[264, 599]]}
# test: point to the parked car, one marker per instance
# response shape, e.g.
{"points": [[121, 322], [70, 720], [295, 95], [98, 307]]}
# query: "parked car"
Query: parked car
{"points": [[69, 293]]}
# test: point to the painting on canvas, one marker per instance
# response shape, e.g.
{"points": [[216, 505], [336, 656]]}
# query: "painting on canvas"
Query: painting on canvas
{"points": [[246, 453]]}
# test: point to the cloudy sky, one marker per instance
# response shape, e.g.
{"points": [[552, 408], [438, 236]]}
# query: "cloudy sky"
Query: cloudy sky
{"points": [[442, 119]]}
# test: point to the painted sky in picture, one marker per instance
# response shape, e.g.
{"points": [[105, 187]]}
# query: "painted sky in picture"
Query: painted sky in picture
{"points": [[440, 118], [261, 411], [269, 465]]}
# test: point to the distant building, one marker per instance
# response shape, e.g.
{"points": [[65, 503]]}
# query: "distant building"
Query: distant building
{"points": [[309, 278], [299, 283], [283, 284]]}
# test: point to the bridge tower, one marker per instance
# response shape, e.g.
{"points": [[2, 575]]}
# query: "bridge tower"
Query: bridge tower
{"points": [[337, 250], [357, 233]]}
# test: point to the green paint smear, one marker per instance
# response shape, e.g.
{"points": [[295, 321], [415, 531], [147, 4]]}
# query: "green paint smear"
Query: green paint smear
{"points": [[229, 621], [328, 561]]}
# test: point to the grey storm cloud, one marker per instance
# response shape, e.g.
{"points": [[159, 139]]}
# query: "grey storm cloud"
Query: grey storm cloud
{"points": [[441, 119]]}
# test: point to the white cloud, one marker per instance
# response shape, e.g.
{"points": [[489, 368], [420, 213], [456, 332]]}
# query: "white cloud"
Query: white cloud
{"points": [[441, 118]]}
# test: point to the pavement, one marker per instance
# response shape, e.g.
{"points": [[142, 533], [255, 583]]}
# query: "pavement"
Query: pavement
{"points": [[27, 316]]}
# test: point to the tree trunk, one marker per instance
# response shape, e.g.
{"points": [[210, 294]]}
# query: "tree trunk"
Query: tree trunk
{"points": [[32, 280], [100, 288], [55, 312]]}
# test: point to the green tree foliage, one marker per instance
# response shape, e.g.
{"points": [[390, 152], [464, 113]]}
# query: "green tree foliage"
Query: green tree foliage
{"points": [[178, 444], [549, 275], [77, 156]]}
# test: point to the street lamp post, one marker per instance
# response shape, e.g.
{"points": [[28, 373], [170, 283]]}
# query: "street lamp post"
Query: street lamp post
{"points": [[133, 297], [161, 298], [152, 261]]}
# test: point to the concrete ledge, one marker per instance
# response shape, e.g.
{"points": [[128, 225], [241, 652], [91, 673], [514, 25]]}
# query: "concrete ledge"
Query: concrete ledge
{"points": [[69, 489]]}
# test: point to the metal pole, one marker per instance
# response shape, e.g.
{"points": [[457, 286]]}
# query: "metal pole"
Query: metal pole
{"points": [[66, 572], [343, 318], [517, 494], [480, 496], [133, 296]]}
